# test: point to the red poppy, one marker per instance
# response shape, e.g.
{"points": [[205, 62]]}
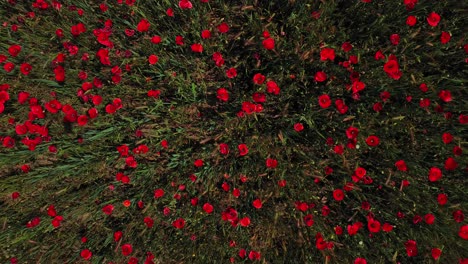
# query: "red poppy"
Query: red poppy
{"points": [[268, 43], [259, 78], [298, 127], [411, 21], [185, 4], [149, 222], [411, 248], [442, 199], [445, 37], [179, 40], [158, 193], [327, 54], [198, 163], [243, 150], [245, 222], [433, 19], [338, 195], [395, 39], [86, 254], [271, 163], [324, 101], [435, 253], [231, 73], [14, 50], [360, 261], [223, 27], [257, 203], [107, 209], [254, 255], [179, 223], [222, 94], [450, 164], [143, 25], [429, 219], [197, 48], [152, 59], [208, 208], [127, 249], [435, 174], [272, 88], [320, 76], [224, 148], [372, 141], [463, 232], [401, 165], [25, 68]]}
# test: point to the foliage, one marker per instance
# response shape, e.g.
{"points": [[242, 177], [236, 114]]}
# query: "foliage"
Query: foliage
{"points": [[211, 131]]}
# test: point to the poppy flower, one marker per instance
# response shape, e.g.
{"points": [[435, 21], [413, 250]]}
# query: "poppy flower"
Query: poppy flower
{"points": [[108, 209], [272, 87], [206, 34], [245, 222], [395, 39], [463, 232], [198, 48], [372, 141], [179, 223], [224, 148], [259, 78], [127, 249], [254, 255], [268, 43], [445, 96], [401, 165], [179, 40], [320, 76], [433, 19], [14, 50], [86, 254], [360, 261], [411, 21], [257, 203], [243, 150], [324, 101], [25, 68], [298, 127], [158, 193], [435, 253], [445, 37], [208, 208], [327, 54], [152, 59], [198, 163], [271, 163], [450, 164], [223, 27], [185, 4], [143, 25], [411, 248], [434, 174], [338, 195]]}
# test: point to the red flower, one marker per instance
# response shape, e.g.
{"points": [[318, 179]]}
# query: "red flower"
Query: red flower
{"points": [[206, 34], [401, 165], [352, 132], [450, 164], [197, 48], [185, 4], [179, 40], [231, 73], [127, 249], [254, 255], [25, 68], [224, 148], [327, 54], [149, 222], [445, 37], [179, 223], [458, 216], [445, 96], [373, 225], [346, 46], [268, 43], [435, 252], [107, 209], [442, 198], [259, 78], [463, 232], [198, 163], [257, 203], [387, 227], [338, 195], [158, 193], [86, 254], [243, 150], [223, 27], [298, 127], [411, 248], [429, 219], [208, 208], [320, 76], [272, 87], [117, 235], [143, 25], [152, 59], [411, 21], [433, 19], [395, 39], [14, 50], [360, 261], [9, 66], [271, 163], [308, 220], [324, 101], [435, 174], [372, 141], [222, 94], [170, 12], [245, 222]]}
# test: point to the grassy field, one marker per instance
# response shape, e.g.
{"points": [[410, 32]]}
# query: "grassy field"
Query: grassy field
{"points": [[210, 131]]}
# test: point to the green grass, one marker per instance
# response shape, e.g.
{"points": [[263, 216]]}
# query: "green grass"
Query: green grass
{"points": [[80, 178]]}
